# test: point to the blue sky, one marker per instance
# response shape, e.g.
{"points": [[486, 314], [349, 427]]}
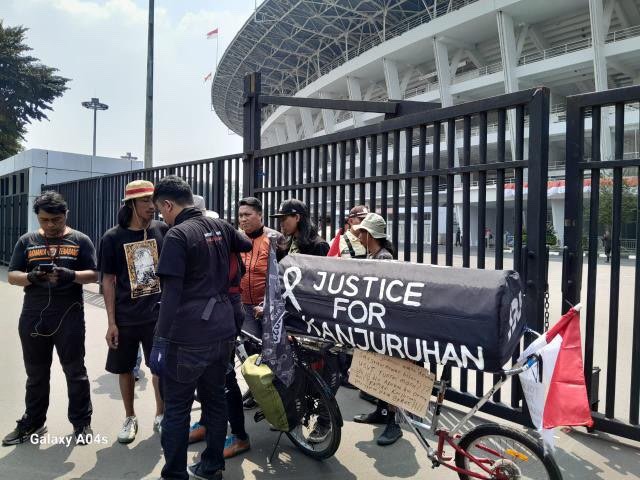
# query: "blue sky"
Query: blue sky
{"points": [[101, 45]]}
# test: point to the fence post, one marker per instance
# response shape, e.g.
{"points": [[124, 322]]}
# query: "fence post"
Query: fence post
{"points": [[536, 257], [572, 261], [251, 125]]}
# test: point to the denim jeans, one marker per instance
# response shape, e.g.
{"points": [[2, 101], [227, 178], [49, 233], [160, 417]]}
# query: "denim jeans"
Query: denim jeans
{"points": [[37, 352], [187, 368]]}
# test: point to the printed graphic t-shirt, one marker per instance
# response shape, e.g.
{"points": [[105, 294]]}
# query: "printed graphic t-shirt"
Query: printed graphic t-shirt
{"points": [[74, 251], [123, 254]]}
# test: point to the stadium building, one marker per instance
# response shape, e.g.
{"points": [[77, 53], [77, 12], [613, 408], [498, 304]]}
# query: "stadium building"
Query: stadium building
{"points": [[446, 51]]}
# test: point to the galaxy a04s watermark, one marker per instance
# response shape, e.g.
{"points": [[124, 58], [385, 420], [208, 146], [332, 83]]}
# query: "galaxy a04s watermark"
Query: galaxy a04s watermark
{"points": [[68, 440]]}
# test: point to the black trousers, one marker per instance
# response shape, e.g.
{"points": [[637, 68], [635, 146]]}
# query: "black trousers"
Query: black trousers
{"points": [[37, 352]]}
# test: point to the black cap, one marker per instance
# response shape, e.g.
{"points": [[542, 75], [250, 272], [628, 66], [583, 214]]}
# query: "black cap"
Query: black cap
{"points": [[291, 207]]}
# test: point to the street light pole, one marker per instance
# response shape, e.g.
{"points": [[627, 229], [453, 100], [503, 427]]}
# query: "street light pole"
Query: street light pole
{"points": [[94, 105], [130, 158], [148, 123]]}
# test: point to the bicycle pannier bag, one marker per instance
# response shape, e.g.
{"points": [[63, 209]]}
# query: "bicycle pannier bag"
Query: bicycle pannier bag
{"points": [[277, 402]]}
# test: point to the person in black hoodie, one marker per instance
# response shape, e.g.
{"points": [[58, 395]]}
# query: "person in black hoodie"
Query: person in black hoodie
{"points": [[196, 329], [301, 235]]}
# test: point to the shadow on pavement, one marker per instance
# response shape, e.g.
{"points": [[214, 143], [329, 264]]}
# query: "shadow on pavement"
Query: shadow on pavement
{"points": [[619, 457], [35, 462], [123, 462], [108, 385], [397, 460]]}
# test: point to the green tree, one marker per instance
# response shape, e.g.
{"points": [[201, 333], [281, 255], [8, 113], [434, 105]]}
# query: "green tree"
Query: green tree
{"points": [[27, 89], [629, 210]]}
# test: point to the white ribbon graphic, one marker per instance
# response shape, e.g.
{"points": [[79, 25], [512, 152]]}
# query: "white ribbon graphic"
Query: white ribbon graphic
{"points": [[289, 286]]}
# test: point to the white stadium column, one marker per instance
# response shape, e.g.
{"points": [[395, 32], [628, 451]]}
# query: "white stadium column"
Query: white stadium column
{"points": [[307, 122], [392, 80], [444, 71], [292, 130], [598, 33], [355, 93], [509, 58], [280, 134], [328, 117]]}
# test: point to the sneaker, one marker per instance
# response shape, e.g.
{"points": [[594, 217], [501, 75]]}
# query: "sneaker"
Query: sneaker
{"points": [[21, 433], [378, 416], [195, 471], [157, 423], [83, 435], [197, 433], [129, 430], [319, 433], [233, 446], [392, 433]]}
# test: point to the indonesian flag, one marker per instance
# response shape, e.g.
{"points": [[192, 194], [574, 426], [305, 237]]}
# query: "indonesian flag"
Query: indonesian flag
{"points": [[556, 393], [208, 77], [334, 250], [212, 34]]}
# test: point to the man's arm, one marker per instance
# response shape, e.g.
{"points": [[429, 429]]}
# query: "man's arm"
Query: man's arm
{"points": [[18, 278], [240, 242], [109, 293], [86, 276]]}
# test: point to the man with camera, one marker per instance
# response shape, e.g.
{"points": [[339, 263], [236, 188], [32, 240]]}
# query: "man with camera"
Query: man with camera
{"points": [[52, 264]]}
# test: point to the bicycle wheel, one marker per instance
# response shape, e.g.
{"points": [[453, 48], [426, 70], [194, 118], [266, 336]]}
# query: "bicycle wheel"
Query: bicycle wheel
{"points": [[320, 422], [509, 454]]}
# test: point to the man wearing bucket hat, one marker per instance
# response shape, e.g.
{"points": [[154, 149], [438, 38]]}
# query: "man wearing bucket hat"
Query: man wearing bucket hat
{"points": [[372, 232], [128, 262]]}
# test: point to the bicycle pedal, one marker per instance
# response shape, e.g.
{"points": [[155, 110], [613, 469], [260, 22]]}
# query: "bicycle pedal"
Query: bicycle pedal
{"points": [[258, 416]]}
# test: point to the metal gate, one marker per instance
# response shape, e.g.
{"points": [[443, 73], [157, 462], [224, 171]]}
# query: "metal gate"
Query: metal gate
{"points": [[612, 299], [419, 161]]}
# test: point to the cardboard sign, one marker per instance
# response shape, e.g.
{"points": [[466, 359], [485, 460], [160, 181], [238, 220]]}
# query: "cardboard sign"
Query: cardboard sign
{"points": [[398, 382]]}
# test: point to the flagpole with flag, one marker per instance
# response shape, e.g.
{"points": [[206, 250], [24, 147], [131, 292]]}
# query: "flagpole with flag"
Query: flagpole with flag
{"points": [[556, 392], [214, 34]]}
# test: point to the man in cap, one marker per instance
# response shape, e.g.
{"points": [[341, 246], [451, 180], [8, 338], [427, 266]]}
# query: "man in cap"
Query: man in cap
{"points": [[346, 244], [52, 264], [128, 262], [196, 330]]}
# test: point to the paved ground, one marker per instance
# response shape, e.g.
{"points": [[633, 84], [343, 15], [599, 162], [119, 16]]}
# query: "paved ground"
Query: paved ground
{"points": [[580, 456]]}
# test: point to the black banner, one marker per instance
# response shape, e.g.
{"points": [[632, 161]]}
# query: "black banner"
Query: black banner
{"points": [[458, 316]]}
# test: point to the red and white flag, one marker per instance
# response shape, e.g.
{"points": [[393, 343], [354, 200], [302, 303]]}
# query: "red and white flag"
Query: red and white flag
{"points": [[212, 34], [556, 394], [208, 77]]}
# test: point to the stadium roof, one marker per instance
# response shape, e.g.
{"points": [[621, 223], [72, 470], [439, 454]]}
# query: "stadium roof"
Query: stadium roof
{"points": [[294, 42]]}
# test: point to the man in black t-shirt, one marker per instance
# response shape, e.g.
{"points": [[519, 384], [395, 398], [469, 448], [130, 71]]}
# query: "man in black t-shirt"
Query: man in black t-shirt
{"points": [[128, 262], [52, 264], [196, 327]]}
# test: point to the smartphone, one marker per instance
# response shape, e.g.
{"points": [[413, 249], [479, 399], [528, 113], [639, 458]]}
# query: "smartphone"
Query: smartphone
{"points": [[46, 267]]}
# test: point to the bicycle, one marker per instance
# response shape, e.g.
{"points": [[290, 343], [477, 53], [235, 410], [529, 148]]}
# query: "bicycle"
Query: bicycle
{"points": [[316, 406], [487, 451]]}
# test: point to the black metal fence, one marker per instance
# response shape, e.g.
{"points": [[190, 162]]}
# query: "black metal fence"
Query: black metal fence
{"points": [[14, 206], [94, 202], [409, 167], [612, 300]]}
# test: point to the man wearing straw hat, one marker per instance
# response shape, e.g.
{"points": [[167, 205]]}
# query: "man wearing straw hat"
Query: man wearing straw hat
{"points": [[128, 262]]}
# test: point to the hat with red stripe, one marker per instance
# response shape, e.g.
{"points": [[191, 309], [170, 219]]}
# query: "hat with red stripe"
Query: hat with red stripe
{"points": [[137, 189]]}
